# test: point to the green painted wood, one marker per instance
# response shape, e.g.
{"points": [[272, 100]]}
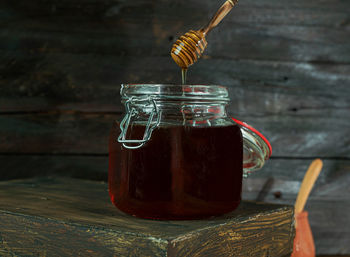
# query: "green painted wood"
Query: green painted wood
{"points": [[40, 216]]}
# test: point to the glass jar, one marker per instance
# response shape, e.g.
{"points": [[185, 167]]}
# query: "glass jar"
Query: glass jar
{"points": [[176, 154]]}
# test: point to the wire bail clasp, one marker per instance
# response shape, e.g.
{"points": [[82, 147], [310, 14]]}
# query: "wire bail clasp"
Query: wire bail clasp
{"points": [[150, 126]]}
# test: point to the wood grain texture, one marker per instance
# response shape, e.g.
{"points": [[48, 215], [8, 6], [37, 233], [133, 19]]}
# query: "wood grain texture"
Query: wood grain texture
{"points": [[59, 55], [286, 64], [257, 30], [51, 212], [60, 82], [241, 237], [78, 133], [277, 182], [306, 186], [24, 235], [92, 167]]}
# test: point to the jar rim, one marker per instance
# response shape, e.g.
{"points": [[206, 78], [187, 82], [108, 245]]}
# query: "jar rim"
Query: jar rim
{"points": [[175, 92]]}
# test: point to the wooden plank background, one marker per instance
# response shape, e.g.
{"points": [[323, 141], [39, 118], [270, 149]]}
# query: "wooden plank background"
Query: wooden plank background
{"points": [[286, 63]]}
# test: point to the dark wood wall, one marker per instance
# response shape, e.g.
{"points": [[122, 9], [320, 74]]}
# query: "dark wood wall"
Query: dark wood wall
{"points": [[286, 63]]}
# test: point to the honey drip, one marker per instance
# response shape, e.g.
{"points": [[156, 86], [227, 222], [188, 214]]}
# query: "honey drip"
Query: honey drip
{"points": [[184, 76]]}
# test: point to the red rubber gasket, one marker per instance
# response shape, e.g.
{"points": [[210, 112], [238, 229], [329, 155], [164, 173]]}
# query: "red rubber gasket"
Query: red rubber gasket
{"points": [[255, 131]]}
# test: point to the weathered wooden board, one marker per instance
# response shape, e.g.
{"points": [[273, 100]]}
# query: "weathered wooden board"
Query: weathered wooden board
{"points": [[277, 182], [65, 81], [52, 59], [48, 53], [92, 167], [56, 133], [278, 30], [290, 135], [313, 12], [42, 215]]}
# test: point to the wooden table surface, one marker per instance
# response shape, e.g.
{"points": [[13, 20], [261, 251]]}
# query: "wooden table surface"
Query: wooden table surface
{"points": [[71, 217]]}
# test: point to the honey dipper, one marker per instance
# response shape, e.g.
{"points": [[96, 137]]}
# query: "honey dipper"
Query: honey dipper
{"points": [[189, 47], [308, 182]]}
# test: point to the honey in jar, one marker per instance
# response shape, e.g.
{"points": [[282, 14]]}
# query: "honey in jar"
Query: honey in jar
{"points": [[181, 172], [176, 154]]}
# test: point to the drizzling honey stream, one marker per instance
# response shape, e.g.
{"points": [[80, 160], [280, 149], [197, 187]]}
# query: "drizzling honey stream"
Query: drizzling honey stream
{"points": [[190, 46]]}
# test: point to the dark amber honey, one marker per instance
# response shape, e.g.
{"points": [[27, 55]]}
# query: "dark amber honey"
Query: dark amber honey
{"points": [[182, 172]]}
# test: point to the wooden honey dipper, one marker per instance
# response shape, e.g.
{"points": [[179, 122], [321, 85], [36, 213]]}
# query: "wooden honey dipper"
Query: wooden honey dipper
{"points": [[309, 180], [189, 47]]}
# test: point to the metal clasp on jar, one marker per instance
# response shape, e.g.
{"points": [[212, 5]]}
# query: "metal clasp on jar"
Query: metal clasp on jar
{"points": [[131, 112]]}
